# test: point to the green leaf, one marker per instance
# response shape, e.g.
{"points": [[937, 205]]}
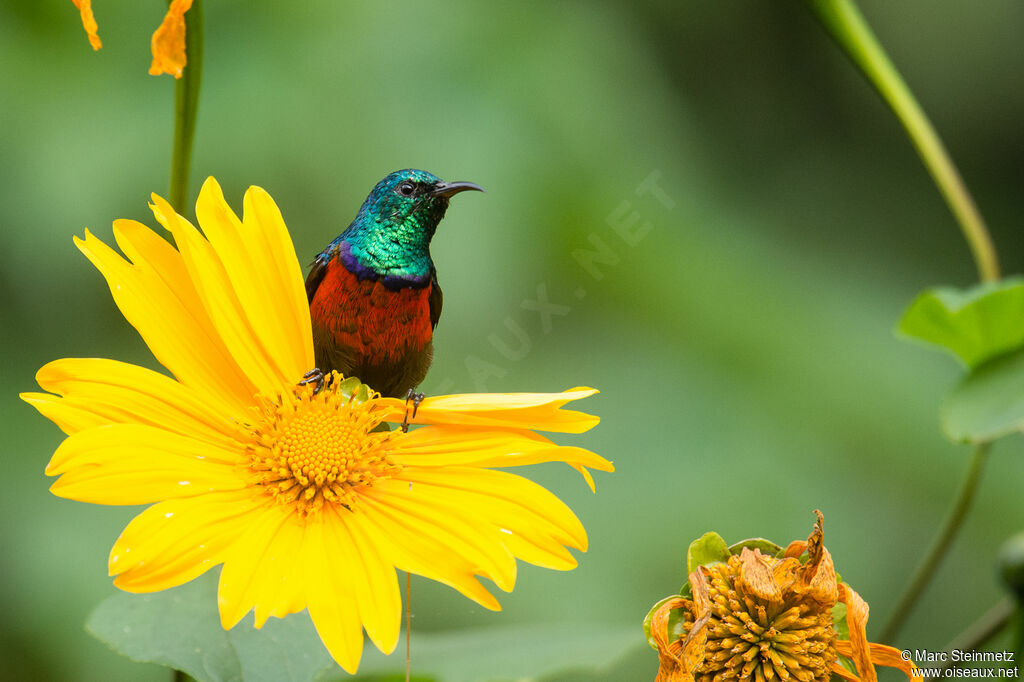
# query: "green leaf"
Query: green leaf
{"points": [[675, 622], [976, 325], [765, 546], [177, 628], [392, 677], [988, 403], [507, 653], [709, 548], [842, 628], [180, 628]]}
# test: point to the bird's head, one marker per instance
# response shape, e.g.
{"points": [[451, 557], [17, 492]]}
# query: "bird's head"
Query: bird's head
{"points": [[392, 232], [411, 199]]}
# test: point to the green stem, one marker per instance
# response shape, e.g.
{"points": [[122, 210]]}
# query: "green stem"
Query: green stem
{"points": [[937, 551], [186, 102], [408, 625], [847, 26], [979, 632]]}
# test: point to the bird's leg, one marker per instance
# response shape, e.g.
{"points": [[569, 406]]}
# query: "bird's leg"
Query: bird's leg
{"points": [[314, 376], [415, 399]]}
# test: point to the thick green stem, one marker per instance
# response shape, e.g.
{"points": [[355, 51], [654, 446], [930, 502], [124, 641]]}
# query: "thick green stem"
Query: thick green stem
{"points": [[847, 26], [186, 103], [937, 551]]}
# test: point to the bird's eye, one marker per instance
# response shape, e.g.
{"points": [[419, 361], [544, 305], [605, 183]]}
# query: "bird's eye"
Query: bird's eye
{"points": [[406, 189]]}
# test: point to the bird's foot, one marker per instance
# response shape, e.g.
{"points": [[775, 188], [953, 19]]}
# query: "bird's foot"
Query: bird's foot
{"points": [[415, 399], [314, 376]]}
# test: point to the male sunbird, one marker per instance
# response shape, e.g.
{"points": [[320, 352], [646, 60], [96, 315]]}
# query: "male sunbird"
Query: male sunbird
{"points": [[373, 294]]}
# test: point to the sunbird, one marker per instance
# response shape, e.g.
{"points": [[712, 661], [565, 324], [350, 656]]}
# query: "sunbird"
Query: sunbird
{"points": [[373, 294]]}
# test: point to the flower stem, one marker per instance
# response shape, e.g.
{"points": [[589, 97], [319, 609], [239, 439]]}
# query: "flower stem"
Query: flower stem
{"points": [[933, 557], [408, 625], [186, 102], [843, 20]]}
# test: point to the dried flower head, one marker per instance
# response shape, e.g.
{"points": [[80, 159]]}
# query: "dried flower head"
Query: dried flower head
{"points": [[755, 616]]}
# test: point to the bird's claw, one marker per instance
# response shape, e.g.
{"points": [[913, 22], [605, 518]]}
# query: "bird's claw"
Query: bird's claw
{"points": [[314, 376], [415, 399]]}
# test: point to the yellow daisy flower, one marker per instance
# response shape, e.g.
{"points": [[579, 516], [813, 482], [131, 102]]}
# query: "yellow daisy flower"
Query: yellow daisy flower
{"points": [[168, 41], [305, 504]]}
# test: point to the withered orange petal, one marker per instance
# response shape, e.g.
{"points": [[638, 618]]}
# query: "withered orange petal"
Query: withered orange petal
{"points": [[659, 622], [841, 671], [169, 41], [795, 549], [857, 620], [882, 654], [757, 575], [701, 592], [823, 587], [89, 22]]}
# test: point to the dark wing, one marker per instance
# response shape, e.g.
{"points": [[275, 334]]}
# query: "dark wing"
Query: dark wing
{"points": [[317, 272], [435, 300]]}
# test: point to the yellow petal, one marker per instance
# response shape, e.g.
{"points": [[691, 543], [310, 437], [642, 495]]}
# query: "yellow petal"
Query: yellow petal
{"points": [[169, 41], [148, 250], [220, 301], [119, 393], [587, 477], [175, 541], [177, 338], [410, 551], [137, 464], [330, 598], [262, 279], [67, 415], [502, 499], [458, 532], [253, 559], [441, 446], [89, 22], [273, 253], [372, 579], [539, 411], [279, 587]]}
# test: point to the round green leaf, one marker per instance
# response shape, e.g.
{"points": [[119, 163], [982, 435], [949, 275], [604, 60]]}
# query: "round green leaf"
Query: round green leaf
{"points": [[975, 325], [180, 628], [709, 548], [988, 403], [764, 546]]}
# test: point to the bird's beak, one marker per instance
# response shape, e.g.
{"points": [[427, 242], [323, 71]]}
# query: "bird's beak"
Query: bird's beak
{"points": [[447, 189]]}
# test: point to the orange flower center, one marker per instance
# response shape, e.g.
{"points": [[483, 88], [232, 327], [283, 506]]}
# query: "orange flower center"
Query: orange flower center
{"points": [[308, 450]]}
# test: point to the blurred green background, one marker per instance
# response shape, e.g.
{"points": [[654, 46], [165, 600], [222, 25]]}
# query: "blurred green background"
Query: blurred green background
{"points": [[743, 347]]}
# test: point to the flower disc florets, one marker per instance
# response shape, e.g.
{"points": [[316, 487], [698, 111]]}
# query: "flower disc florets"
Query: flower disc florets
{"points": [[309, 448], [750, 637]]}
